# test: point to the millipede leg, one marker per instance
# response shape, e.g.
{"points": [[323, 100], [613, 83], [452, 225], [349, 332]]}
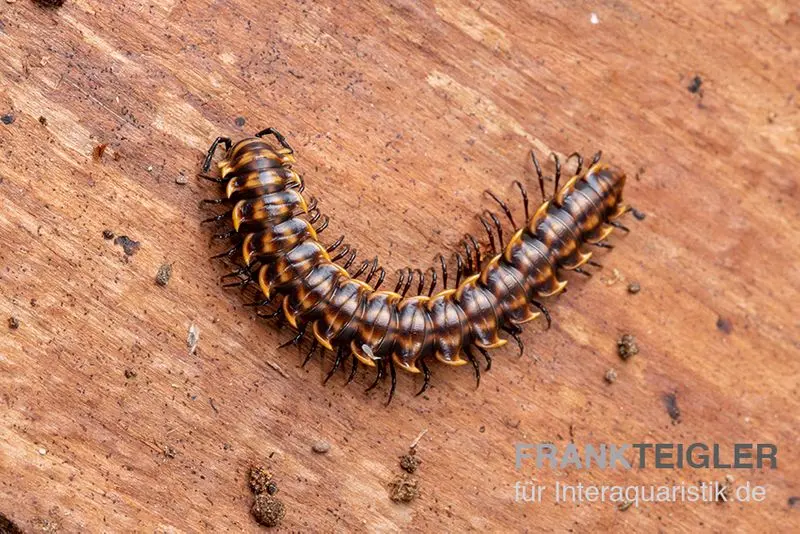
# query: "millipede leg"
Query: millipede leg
{"points": [[393, 373], [486, 357], [426, 375], [488, 233], [214, 179], [380, 278], [595, 264], [281, 139], [421, 285], [296, 339], [514, 332], [323, 225], [538, 174], [226, 235], [214, 201], [524, 193], [498, 226], [310, 352], [218, 217], [596, 158], [408, 282], [583, 272], [432, 270], [364, 265], [353, 369], [475, 367], [443, 263], [602, 244], [580, 162], [257, 304], [544, 311], [224, 140], [622, 227], [380, 364], [335, 244], [401, 277], [503, 206], [459, 268], [558, 171], [228, 253], [336, 363]]}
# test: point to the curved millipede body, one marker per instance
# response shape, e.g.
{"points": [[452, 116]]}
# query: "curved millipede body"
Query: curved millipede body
{"points": [[276, 229]]}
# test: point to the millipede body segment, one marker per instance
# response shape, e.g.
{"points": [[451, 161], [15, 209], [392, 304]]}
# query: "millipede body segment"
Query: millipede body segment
{"points": [[276, 226]]}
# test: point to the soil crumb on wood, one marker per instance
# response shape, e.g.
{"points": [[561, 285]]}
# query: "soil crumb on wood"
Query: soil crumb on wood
{"points": [[260, 479], [268, 510], [130, 373], [43, 120], [98, 151], [695, 85], [193, 338], [793, 501], [240, 121], [634, 288], [164, 274], [404, 488], [50, 3], [640, 215], [13, 323], [321, 446], [627, 347], [724, 325], [611, 376], [129, 246], [108, 234], [410, 462], [8, 118], [8, 527], [671, 404]]}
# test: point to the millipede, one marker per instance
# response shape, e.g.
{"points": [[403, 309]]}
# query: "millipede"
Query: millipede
{"points": [[320, 290]]}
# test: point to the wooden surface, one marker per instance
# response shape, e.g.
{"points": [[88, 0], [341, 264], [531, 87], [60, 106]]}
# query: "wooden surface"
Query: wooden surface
{"points": [[402, 113]]}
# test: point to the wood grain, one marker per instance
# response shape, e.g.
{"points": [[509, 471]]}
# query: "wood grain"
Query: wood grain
{"points": [[402, 113]]}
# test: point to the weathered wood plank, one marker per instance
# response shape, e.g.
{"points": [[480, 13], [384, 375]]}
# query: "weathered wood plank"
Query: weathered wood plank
{"points": [[402, 114]]}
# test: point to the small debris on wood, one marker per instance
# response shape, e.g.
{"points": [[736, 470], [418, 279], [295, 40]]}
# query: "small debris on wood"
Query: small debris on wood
{"points": [[42, 120], [169, 452], [671, 404], [129, 246], [695, 84], [130, 373], [725, 491], [622, 507], [42, 451], [181, 179], [594, 19], [7, 526], [321, 446], [404, 488], [616, 276], [627, 347], [13, 323], [611, 376], [417, 439], [410, 462], [482, 429], [98, 151], [260, 478], [8, 118], [277, 368], [239, 121], [108, 234], [634, 288], [164, 274], [640, 215], [50, 3], [793, 501], [724, 325], [193, 338], [268, 510]]}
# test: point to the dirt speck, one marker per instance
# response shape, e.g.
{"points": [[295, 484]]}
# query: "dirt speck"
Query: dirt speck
{"points": [[42, 120], [239, 121], [410, 462], [695, 85], [724, 325], [7, 526], [98, 151], [164, 274], [130, 373], [8, 118], [108, 234], [321, 446], [13, 323], [634, 288], [793, 501], [193, 338], [639, 215], [260, 478], [610, 376], [671, 404], [627, 347], [129, 246], [404, 488], [268, 510], [622, 507], [50, 3], [181, 179]]}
